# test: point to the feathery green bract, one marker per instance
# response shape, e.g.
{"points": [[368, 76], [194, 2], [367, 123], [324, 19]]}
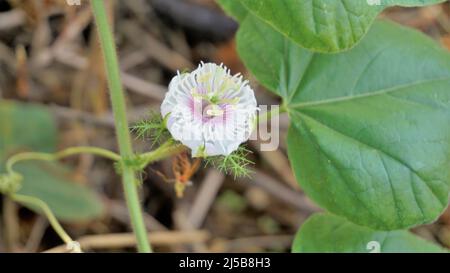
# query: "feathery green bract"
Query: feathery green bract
{"points": [[235, 164], [153, 128]]}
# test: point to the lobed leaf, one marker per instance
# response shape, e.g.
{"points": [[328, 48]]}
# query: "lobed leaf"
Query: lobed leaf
{"points": [[370, 128], [329, 233], [324, 25], [319, 25]]}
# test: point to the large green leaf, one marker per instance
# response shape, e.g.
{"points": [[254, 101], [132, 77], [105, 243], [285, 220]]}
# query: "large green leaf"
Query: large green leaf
{"points": [[234, 8], [322, 25], [25, 127], [370, 127], [52, 184], [329, 233]]}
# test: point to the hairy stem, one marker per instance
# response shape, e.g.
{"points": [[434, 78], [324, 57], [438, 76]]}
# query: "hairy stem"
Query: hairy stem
{"points": [[123, 135]]}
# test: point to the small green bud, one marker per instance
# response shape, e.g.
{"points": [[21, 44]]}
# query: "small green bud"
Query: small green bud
{"points": [[10, 183]]}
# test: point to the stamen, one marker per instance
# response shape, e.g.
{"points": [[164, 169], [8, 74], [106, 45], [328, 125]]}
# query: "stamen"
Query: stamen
{"points": [[214, 111]]}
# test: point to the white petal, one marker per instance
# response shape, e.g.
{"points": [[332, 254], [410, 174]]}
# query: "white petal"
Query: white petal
{"points": [[214, 85]]}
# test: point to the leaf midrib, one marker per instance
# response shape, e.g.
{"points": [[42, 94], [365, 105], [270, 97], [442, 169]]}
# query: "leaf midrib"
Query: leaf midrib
{"points": [[401, 87]]}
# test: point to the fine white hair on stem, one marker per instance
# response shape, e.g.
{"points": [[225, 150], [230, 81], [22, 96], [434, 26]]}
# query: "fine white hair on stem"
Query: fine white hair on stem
{"points": [[209, 110]]}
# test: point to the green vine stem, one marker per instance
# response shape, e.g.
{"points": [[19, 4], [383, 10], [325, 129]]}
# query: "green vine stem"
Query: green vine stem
{"points": [[167, 149], [122, 132], [41, 205], [59, 155], [37, 203]]}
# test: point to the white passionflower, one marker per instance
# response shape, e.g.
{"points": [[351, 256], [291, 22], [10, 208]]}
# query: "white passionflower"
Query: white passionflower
{"points": [[209, 110]]}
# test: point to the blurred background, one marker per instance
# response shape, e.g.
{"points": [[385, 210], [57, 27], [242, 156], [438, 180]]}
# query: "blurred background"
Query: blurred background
{"points": [[53, 95]]}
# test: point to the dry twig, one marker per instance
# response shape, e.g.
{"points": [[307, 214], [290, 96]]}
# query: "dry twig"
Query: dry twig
{"points": [[122, 240]]}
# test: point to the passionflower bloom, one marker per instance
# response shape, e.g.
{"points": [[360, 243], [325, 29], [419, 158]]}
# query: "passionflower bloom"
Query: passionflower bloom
{"points": [[209, 110]]}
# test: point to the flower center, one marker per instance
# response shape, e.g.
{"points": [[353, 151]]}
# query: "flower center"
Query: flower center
{"points": [[211, 107], [207, 111], [213, 110]]}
